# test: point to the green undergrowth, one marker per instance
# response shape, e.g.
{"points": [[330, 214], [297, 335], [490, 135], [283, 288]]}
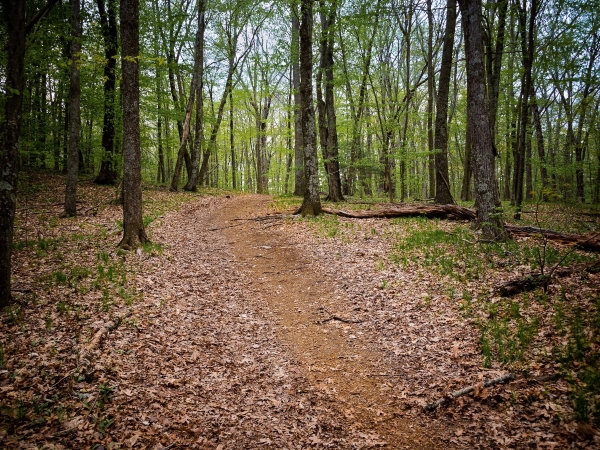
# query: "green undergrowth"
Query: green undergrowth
{"points": [[533, 333]]}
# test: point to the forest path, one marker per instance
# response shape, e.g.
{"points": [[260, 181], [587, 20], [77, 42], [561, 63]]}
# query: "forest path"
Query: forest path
{"points": [[301, 299]]}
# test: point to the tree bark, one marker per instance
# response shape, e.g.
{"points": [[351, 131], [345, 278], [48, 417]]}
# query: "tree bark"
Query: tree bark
{"points": [[447, 212], [134, 234], [192, 182], [75, 113], [430, 100], [332, 159], [312, 203], [299, 180], [108, 22], [194, 89], [486, 186], [443, 195], [527, 48], [14, 11]]}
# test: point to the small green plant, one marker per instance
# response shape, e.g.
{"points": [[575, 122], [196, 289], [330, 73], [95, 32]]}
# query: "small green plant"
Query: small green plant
{"points": [[14, 314], [105, 394], [105, 424], [59, 277], [63, 308], [153, 249], [106, 301], [2, 357], [49, 322]]}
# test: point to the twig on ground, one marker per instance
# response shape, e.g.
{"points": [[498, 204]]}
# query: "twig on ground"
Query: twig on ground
{"points": [[468, 390], [335, 317]]}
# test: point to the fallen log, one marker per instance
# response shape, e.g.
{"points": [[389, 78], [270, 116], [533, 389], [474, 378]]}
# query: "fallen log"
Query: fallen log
{"points": [[468, 390], [535, 280], [585, 242], [446, 212], [107, 328]]}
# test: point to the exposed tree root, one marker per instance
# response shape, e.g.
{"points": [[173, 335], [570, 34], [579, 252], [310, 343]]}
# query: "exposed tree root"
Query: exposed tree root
{"points": [[468, 390]]}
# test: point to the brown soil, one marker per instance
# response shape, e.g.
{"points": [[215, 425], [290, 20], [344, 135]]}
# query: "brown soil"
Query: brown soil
{"points": [[296, 294]]}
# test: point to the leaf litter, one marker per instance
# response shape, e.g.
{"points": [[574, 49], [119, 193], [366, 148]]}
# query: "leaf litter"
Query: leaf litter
{"points": [[233, 338]]}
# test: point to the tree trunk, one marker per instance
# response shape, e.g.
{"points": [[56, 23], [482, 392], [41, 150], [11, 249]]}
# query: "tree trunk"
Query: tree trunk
{"points": [[195, 87], [232, 143], [199, 126], [332, 160], [133, 225], [108, 22], [312, 203], [430, 98], [486, 186], [299, 180], [443, 194], [74, 115], [14, 11], [527, 48]]}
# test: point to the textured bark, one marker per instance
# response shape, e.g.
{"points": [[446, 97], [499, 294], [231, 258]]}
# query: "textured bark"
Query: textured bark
{"points": [[133, 226], [443, 195], [75, 113], [14, 11], [331, 154], [192, 182], [446, 212], [486, 186], [494, 55], [312, 202], [299, 180], [108, 22]]}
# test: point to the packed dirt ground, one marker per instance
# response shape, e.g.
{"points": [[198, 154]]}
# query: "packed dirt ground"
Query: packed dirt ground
{"points": [[243, 327]]}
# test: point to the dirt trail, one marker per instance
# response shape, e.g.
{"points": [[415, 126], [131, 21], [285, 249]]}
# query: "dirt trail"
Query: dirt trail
{"points": [[347, 372]]}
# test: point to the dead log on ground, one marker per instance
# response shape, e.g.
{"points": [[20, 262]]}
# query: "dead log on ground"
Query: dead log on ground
{"points": [[468, 390], [589, 242], [535, 280], [446, 212]]}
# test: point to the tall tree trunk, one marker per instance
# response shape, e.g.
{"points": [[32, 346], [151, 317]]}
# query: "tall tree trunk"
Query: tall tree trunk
{"points": [[74, 116], [108, 22], [14, 11], [430, 98], [312, 203], [133, 225], [199, 126], [232, 143], [486, 186], [527, 48], [195, 87], [332, 159], [493, 61], [443, 194], [299, 180]]}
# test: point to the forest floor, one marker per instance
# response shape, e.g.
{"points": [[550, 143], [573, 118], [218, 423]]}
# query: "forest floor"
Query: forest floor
{"points": [[245, 327]]}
